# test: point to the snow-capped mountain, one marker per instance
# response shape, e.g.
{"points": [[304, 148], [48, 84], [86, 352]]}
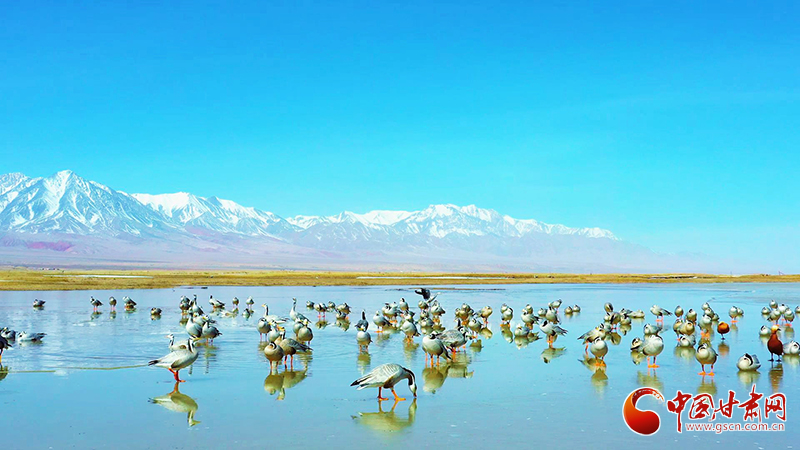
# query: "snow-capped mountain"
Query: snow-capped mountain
{"points": [[66, 203], [68, 214], [442, 220], [215, 214]]}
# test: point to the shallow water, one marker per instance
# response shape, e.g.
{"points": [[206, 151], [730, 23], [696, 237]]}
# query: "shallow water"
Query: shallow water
{"points": [[78, 387]]}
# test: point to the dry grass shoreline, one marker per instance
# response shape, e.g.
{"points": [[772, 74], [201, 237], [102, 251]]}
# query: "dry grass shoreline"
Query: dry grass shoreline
{"points": [[53, 280]]}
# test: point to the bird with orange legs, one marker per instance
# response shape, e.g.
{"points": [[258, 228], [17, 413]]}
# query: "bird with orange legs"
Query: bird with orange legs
{"points": [[734, 313], [652, 347], [706, 355], [774, 344], [552, 331], [599, 349], [386, 376], [177, 360], [659, 312], [723, 329]]}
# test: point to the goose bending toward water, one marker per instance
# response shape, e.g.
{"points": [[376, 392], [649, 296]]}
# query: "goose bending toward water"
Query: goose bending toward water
{"points": [[177, 360], [386, 376]]}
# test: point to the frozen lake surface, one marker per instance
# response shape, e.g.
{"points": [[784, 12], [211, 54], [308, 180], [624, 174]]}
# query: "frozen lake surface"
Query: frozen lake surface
{"points": [[86, 385]]}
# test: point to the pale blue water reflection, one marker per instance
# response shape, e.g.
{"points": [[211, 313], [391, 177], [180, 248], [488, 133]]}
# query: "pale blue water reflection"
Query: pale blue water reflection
{"points": [[81, 386]]}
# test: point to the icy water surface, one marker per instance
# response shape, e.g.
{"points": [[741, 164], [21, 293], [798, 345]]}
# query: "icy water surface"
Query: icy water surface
{"points": [[78, 388]]}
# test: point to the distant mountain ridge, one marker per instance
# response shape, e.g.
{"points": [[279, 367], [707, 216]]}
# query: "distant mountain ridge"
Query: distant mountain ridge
{"points": [[81, 219]]}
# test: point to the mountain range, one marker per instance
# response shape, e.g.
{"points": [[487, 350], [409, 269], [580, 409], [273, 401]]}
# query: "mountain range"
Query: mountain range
{"points": [[66, 220]]}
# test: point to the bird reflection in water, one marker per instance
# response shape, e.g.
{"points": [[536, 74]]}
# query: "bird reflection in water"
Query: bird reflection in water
{"points": [[4, 370], [322, 324], [409, 349], [476, 346], [95, 315], [599, 378], [182, 403], [776, 377], [791, 360], [649, 379], [344, 324], [486, 333], [723, 349], [112, 315], [280, 382], [433, 378], [210, 353], [363, 362], [637, 357], [707, 386], [748, 377], [505, 331], [551, 353], [687, 353], [614, 337], [387, 422]]}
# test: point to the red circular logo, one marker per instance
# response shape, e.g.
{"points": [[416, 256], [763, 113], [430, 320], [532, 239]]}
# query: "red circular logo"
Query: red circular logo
{"points": [[643, 422]]}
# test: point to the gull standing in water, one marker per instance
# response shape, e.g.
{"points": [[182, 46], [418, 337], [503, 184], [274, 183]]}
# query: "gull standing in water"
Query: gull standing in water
{"points": [[177, 360], [386, 376]]}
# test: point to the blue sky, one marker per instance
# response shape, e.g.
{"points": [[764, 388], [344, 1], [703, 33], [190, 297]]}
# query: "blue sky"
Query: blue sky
{"points": [[673, 125]]}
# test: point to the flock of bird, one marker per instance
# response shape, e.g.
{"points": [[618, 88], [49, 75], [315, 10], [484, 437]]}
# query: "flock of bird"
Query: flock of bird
{"points": [[693, 330]]}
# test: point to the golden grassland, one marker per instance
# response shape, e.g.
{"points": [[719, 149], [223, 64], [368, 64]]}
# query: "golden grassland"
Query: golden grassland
{"points": [[51, 280]]}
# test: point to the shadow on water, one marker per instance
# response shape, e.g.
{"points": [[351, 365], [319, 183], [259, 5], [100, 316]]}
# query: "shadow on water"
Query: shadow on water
{"points": [[387, 423], [178, 402]]}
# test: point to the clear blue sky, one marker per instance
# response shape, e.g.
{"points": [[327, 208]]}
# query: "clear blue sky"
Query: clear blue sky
{"points": [[674, 124]]}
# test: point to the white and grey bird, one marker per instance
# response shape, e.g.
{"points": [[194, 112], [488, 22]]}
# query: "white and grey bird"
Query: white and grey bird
{"points": [[386, 376], [652, 347], [599, 349], [30, 337], [791, 349], [363, 338], [706, 355], [363, 323], [454, 338], [659, 312], [748, 362], [433, 346], [177, 360], [173, 346], [293, 314]]}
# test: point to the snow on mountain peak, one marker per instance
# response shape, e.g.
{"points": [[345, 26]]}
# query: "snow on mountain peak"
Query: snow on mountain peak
{"points": [[65, 202]]}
